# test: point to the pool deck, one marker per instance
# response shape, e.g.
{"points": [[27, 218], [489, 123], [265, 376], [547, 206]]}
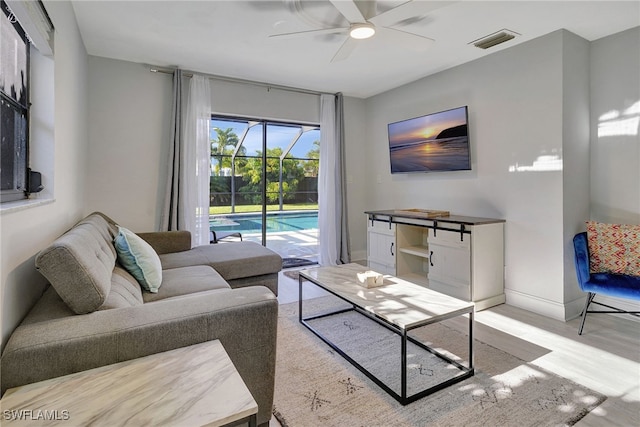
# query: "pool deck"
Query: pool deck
{"points": [[290, 244]]}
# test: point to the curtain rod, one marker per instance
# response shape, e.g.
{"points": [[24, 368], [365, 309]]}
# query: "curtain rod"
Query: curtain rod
{"points": [[187, 73]]}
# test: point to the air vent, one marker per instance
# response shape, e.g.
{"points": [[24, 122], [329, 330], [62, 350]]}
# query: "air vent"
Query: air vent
{"points": [[494, 39]]}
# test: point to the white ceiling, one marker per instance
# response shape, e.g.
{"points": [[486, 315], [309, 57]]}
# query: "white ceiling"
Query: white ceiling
{"points": [[231, 38]]}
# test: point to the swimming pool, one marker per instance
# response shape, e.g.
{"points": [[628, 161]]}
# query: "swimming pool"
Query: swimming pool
{"points": [[276, 221]]}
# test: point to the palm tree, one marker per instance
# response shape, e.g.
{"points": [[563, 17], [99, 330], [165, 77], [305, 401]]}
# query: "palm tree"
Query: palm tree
{"points": [[312, 164], [219, 147]]}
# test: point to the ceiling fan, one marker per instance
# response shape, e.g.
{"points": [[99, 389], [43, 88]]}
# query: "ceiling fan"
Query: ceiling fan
{"points": [[364, 23]]}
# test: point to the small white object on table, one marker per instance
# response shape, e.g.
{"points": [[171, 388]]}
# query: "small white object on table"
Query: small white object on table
{"points": [[370, 279]]}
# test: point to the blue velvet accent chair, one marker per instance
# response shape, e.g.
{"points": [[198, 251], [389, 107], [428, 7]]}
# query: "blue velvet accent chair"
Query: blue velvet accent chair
{"points": [[609, 284]]}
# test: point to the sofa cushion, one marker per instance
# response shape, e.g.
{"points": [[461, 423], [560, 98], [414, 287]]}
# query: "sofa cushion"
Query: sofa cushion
{"points": [[79, 264], [235, 260], [187, 280], [139, 259], [614, 248], [125, 290], [49, 307]]}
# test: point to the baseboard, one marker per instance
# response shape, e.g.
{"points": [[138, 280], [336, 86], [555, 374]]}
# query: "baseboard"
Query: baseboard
{"points": [[574, 308], [490, 302], [544, 307], [569, 310], [359, 256]]}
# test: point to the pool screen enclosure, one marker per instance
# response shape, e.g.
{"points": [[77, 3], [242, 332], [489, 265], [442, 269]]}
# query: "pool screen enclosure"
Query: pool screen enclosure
{"points": [[261, 167]]}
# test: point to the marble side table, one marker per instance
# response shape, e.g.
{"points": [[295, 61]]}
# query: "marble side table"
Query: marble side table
{"points": [[190, 386]]}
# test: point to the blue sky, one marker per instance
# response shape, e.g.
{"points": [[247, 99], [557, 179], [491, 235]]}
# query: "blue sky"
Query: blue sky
{"points": [[277, 136]]}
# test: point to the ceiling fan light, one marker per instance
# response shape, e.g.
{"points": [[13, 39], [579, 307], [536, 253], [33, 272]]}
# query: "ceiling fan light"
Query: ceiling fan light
{"points": [[362, 31]]}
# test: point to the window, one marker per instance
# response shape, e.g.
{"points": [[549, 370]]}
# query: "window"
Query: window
{"points": [[14, 93]]}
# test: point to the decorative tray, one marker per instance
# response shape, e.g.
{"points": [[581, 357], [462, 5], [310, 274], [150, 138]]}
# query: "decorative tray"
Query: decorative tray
{"points": [[427, 213]]}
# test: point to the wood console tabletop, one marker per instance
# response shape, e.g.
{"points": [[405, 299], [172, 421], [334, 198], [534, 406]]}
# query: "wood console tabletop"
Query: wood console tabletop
{"points": [[452, 219], [191, 386]]}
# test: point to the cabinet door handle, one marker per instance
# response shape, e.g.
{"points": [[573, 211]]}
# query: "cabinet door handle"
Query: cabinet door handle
{"points": [[431, 258], [391, 249]]}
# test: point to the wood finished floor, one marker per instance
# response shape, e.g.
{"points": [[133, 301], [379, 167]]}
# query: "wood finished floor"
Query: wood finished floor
{"points": [[606, 358]]}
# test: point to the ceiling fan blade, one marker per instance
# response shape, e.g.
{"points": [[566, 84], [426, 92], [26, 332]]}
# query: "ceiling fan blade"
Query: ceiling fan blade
{"points": [[349, 9], [406, 39], [310, 32], [345, 50], [410, 9]]}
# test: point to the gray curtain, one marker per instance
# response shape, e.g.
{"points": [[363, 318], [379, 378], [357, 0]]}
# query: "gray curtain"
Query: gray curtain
{"points": [[170, 212], [343, 229]]}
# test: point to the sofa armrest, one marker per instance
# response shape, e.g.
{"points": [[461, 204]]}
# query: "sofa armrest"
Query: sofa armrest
{"points": [[165, 242], [244, 320]]}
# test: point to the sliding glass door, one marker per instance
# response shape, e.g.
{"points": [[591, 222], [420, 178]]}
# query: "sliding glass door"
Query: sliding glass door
{"points": [[264, 185]]}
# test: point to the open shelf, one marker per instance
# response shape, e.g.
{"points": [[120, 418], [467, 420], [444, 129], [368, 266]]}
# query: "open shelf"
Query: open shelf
{"points": [[421, 251]]}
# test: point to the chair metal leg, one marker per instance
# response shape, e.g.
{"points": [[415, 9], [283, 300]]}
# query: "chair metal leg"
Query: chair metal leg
{"points": [[590, 298]]}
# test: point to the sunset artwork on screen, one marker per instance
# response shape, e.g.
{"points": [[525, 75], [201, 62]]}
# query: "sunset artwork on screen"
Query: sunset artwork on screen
{"points": [[435, 142]]}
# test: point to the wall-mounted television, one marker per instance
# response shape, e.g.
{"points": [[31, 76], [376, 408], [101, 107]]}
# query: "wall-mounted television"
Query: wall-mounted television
{"points": [[431, 143]]}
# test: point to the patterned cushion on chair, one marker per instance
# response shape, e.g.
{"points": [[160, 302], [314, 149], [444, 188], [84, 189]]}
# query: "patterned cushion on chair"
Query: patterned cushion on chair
{"points": [[614, 248]]}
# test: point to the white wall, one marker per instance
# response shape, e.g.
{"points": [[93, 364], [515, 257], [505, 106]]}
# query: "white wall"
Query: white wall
{"points": [[575, 171], [615, 148], [25, 232], [615, 153], [517, 99]]}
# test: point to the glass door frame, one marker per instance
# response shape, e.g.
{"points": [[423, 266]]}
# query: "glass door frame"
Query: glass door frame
{"points": [[263, 123]]}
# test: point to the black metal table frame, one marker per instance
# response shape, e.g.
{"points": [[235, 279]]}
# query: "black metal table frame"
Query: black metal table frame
{"points": [[250, 421], [466, 371]]}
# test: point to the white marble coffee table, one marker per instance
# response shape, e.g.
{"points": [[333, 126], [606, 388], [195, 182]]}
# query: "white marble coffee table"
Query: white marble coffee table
{"points": [[191, 386], [398, 305]]}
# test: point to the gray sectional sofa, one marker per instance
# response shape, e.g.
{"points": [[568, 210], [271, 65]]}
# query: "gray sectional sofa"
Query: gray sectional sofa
{"points": [[95, 312]]}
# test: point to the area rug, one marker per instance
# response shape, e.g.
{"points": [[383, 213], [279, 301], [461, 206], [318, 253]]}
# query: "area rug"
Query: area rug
{"points": [[317, 387]]}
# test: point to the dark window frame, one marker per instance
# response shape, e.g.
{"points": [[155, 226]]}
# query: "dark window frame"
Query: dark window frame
{"points": [[20, 128]]}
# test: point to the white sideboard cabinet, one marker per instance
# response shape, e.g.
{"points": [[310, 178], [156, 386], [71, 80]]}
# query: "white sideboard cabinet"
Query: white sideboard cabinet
{"points": [[381, 247], [457, 255]]}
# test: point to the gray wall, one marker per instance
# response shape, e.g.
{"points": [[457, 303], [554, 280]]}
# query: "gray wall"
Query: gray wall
{"points": [[130, 110], [527, 106], [516, 100], [356, 146], [529, 128], [61, 129], [537, 161]]}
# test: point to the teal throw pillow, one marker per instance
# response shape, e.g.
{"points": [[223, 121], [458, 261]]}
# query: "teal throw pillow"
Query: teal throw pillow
{"points": [[139, 259]]}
